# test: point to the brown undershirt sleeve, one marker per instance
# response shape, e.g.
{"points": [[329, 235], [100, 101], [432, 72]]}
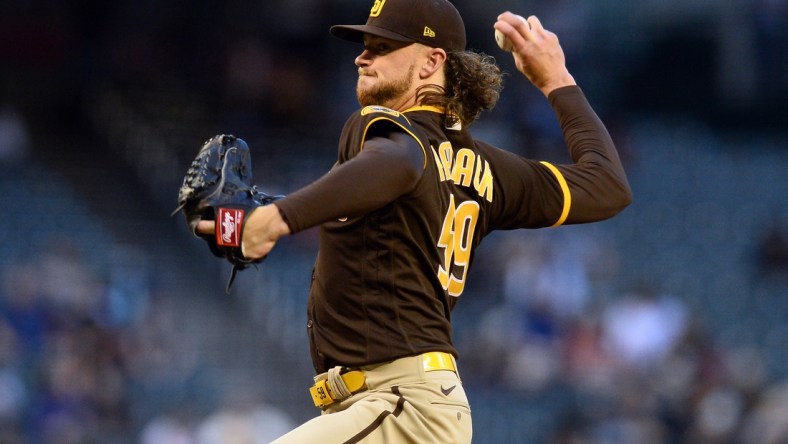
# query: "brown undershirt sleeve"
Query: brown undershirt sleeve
{"points": [[597, 182], [385, 169]]}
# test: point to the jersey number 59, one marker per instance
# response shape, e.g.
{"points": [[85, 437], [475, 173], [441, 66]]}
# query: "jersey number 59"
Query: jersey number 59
{"points": [[456, 239]]}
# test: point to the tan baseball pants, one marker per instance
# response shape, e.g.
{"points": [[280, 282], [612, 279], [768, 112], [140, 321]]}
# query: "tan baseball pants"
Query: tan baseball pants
{"points": [[403, 403]]}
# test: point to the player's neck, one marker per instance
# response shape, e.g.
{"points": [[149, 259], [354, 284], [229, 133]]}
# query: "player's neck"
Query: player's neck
{"points": [[403, 102]]}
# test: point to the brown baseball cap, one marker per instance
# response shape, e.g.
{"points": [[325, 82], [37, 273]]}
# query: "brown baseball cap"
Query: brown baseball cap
{"points": [[435, 23]]}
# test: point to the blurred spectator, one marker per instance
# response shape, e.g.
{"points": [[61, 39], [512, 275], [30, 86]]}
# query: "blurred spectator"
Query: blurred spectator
{"points": [[587, 364], [70, 287], [717, 416], [14, 394], [520, 341], [244, 423], [24, 310], [167, 429], [158, 355], [766, 423], [83, 386], [75, 386], [531, 366], [546, 280], [127, 295], [642, 328]]}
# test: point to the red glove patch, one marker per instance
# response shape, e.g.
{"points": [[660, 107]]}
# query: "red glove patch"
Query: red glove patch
{"points": [[229, 222]]}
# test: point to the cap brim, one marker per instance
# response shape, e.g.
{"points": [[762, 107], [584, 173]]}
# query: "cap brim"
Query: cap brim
{"points": [[355, 33]]}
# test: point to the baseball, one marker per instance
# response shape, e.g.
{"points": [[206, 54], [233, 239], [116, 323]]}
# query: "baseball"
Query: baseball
{"points": [[503, 42]]}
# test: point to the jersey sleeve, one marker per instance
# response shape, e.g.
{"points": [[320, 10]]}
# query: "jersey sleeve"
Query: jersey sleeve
{"points": [[380, 159], [595, 184], [541, 194]]}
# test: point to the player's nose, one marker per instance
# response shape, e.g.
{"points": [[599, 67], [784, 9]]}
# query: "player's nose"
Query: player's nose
{"points": [[364, 59]]}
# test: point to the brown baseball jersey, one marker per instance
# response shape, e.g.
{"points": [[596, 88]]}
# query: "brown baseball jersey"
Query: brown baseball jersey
{"points": [[406, 205]]}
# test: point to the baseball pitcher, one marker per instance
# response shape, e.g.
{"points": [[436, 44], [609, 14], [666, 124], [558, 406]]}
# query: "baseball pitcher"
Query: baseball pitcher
{"points": [[411, 196]]}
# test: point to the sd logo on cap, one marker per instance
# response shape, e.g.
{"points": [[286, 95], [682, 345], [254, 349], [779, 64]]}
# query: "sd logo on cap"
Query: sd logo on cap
{"points": [[435, 23]]}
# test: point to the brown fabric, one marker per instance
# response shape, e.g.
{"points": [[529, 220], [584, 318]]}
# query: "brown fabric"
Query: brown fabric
{"points": [[380, 173], [385, 280]]}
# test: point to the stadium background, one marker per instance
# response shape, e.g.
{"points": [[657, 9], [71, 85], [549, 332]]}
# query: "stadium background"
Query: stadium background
{"points": [[665, 324]]}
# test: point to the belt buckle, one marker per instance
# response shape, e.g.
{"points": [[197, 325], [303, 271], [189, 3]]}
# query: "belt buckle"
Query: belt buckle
{"points": [[321, 395]]}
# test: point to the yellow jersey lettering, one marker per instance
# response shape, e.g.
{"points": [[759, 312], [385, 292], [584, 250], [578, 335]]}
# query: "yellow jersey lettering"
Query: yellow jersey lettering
{"points": [[465, 169], [483, 179], [462, 173], [446, 155]]}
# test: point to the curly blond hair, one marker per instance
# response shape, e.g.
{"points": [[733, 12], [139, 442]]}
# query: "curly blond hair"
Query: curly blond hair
{"points": [[473, 84]]}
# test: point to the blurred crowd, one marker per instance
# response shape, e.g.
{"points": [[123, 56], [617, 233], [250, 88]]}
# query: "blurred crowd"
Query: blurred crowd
{"points": [[94, 356], [640, 365], [88, 355]]}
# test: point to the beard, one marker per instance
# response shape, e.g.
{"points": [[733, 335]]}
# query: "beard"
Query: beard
{"points": [[385, 93]]}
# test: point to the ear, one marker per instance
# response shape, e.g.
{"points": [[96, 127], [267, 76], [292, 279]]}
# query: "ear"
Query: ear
{"points": [[436, 57]]}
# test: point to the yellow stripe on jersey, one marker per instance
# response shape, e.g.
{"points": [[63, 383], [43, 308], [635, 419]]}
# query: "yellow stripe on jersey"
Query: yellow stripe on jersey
{"points": [[564, 189], [379, 109], [457, 122], [369, 124], [434, 109]]}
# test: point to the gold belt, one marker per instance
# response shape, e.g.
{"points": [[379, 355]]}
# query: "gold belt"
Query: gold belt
{"points": [[355, 380]]}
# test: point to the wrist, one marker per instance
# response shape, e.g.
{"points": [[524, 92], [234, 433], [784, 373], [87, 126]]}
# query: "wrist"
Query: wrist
{"points": [[566, 80], [279, 223]]}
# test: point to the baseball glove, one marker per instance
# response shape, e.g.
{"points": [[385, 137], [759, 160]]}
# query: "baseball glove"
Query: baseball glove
{"points": [[218, 186]]}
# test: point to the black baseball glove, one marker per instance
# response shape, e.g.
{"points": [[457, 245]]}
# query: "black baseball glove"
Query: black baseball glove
{"points": [[218, 186]]}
